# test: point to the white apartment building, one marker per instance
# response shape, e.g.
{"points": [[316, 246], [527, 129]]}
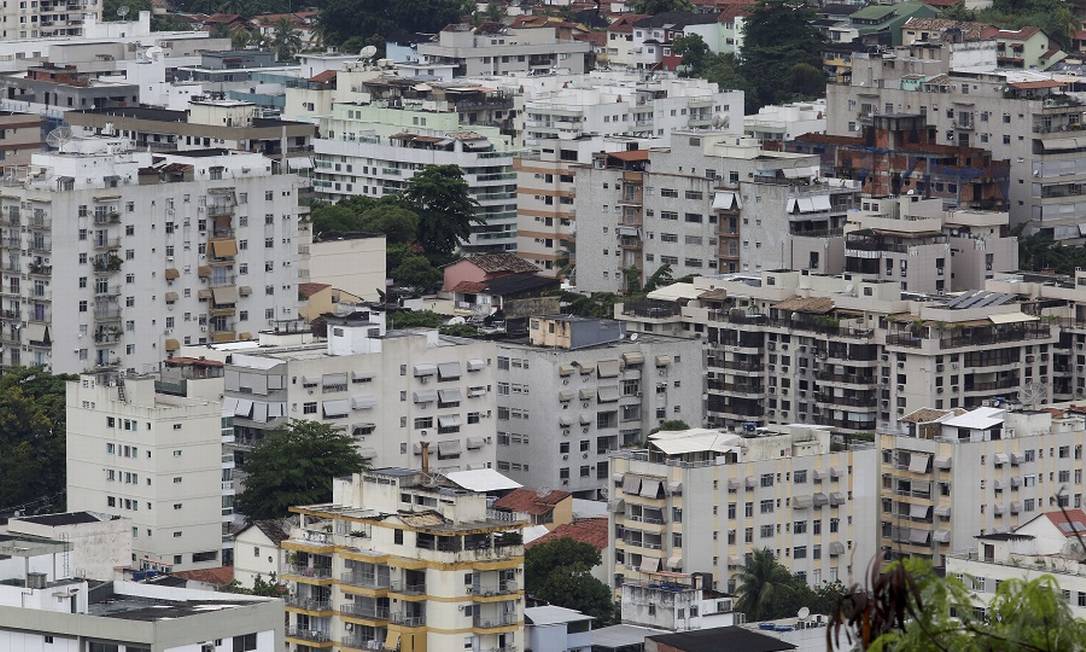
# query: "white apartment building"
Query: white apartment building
{"points": [[851, 353], [374, 150], [113, 259], [404, 560], [47, 18], [781, 123], [701, 501], [257, 553], [472, 52], [392, 392], [954, 475], [153, 454], [43, 606], [1022, 116], [1046, 545], [676, 602], [579, 389]]}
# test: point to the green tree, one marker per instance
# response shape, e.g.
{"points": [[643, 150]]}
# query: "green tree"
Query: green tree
{"points": [[560, 572], [1053, 17], [777, 36], [134, 7], [398, 224], [415, 319], [241, 39], [597, 304], [763, 583], [261, 587], [286, 40], [459, 330], [341, 20], [674, 424], [659, 278], [415, 271], [694, 52], [294, 465], [32, 440], [654, 7], [632, 277], [442, 198]]}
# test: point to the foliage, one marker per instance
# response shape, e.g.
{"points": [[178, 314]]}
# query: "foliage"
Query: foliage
{"points": [[659, 278], [245, 8], [387, 216], [32, 439], [415, 319], [1053, 17], [441, 197], [294, 465], [459, 330], [694, 52], [559, 572], [1040, 253], [242, 38], [597, 304], [674, 424], [415, 271], [654, 7], [768, 591], [907, 606], [632, 279], [341, 20], [261, 587], [778, 36], [286, 40]]}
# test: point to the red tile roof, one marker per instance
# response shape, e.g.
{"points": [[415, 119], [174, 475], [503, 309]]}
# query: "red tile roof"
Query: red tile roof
{"points": [[220, 576], [501, 263], [1023, 34], [1041, 83], [323, 77], [306, 290], [1075, 521], [529, 501], [631, 155], [625, 23], [592, 531]]}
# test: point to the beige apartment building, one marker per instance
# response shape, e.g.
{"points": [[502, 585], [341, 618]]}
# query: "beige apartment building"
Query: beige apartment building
{"points": [[404, 560], [702, 501]]}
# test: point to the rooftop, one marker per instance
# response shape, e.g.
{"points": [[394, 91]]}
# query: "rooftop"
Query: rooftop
{"points": [[66, 518], [592, 531], [530, 501], [501, 263], [722, 638]]}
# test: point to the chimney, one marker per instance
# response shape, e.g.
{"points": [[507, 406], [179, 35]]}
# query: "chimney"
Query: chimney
{"points": [[425, 446]]}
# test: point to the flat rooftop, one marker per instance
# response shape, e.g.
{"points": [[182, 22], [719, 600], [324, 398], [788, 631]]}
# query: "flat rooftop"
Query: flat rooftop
{"points": [[133, 607]]}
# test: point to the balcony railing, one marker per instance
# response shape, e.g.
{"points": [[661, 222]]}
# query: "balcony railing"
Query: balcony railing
{"points": [[314, 635], [372, 612], [407, 620], [309, 604], [501, 588], [365, 580], [315, 572], [359, 643], [496, 620], [414, 588]]}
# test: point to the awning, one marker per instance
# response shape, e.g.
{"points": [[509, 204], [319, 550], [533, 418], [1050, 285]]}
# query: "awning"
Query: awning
{"points": [[367, 453], [942, 462], [942, 511], [260, 412], [1012, 318], [565, 420], [821, 202], [37, 332], [203, 271], [750, 483], [918, 462], [425, 369], [448, 447], [633, 358], [311, 381], [650, 564], [631, 484], [999, 459], [476, 391], [998, 510], [361, 376], [229, 405], [820, 499], [733, 485], [725, 201], [663, 360], [801, 502], [836, 499], [675, 562], [448, 370], [172, 344], [1016, 459], [449, 395], [1015, 507], [276, 410], [565, 370], [565, 395], [424, 396], [675, 488], [244, 408], [942, 536], [475, 364], [586, 394], [337, 408], [475, 443], [608, 394], [225, 295], [392, 640], [172, 273], [171, 297], [817, 475], [1016, 482], [244, 290], [918, 511], [449, 421], [224, 248], [586, 419], [300, 163], [328, 380], [735, 560], [834, 473], [607, 368], [918, 536], [203, 295], [836, 548], [650, 488], [363, 402]]}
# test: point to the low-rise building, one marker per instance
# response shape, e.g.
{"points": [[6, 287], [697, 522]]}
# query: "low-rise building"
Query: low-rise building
{"points": [[786, 122], [406, 560], [351, 262], [487, 50], [550, 509], [257, 553], [557, 629], [676, 602], [98, 545], [598, 390], [701, 501]]}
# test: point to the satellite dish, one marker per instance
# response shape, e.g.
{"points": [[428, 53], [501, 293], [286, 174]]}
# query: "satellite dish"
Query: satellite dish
{"points": [[1032, 394], [803, 613], [633, 337], [368, 52], [58, 137], [122, 11]]}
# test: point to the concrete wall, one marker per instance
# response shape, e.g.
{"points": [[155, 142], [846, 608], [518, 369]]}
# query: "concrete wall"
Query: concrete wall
{"points": [[356, 265]]}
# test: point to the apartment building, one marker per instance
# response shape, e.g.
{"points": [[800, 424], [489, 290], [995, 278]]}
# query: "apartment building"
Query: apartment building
{"points": [[44, 606], [475, 51], [374, 150], [47, 18], [786, 122], [1021, 116], [20, 137], [652, 36], [113, 259], [1048, 545], [391, 391], [955, 474], [711, 203], [925, 248], [404, 560], [702, 501], [848, 352], [151, 453], [578, 389]]}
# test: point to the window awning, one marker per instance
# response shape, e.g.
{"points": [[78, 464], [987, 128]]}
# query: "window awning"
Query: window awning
{"points": [[565, 370], [244, 290], [475, 443], [998, 510], [675, 488], [820, 499], [260, 412], [675, 562], [586, 394], [225, 295], [171, 297], [1016, 459], [663, 360], [750, 483], [607, 368], [817, 475], [586, 419], [449, 421], [361, 376], [801, 502], [425, 396], [918, 536], [733, 485], [172, 273], [631, 484], [650, 488], [918, 462], [449, 395], [608, 394], [942, 536], [425, 369], [229, 406], [650, 564], [37, 332], [836, 499], [203, 271], [821, 202], [334, 379], [633, 358], [565, 395], [276, 410], [1015, 507], [224, 248], [336, 408], [999, 459], [918, 511], [475, 364], [448, 447], [725, 201], [311, 381], [244, 409], [942, 511], [1016, 481], [565, 420], [448, 370], [1012, 318], [942, 462], [836, 548], [172, 344], [363, 402], [203, 295]]}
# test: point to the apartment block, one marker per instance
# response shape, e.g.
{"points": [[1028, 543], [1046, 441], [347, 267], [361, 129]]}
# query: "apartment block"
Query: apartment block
{"points": [[468, 51], [579, 389], [404, 560], [847, 352], [113, 259], [47, 18], [20, 137], [147, 452], [391, 391], [374, 150], [956, 474], [786, 122], [702, 501], [1024, 117]]}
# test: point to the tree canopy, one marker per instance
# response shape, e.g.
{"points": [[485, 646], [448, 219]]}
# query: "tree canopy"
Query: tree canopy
{"points": [[343, 20], [295, 466], [767, 590], [1040, 253], [1053, 17], [442, 198], [560, 572], [32, 440], [654, 7]]}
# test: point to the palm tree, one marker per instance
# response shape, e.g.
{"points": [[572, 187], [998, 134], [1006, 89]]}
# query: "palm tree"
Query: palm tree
{"points": [[241, 39], [286, 40], [762, 582]]}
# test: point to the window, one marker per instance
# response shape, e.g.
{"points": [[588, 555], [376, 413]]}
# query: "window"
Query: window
{"points": [[766, 507], [799, 552], [245, 643], [397, 537]]}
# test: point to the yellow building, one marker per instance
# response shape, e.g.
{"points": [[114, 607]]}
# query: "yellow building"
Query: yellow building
{"points": [[404, 560]]}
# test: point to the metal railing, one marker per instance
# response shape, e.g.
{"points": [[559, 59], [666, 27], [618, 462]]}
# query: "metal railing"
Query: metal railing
{"points": [[365, 580], [315, 572], [502, 588], [399, 618], [373, 612], [496, 620], [309, 604], [314, 635]]}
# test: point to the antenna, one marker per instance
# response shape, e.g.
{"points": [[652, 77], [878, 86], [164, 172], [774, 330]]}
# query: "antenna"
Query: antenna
{"points": [[368, 52], [804, 613], [122, 11], [58, 137], [1032, 394]]}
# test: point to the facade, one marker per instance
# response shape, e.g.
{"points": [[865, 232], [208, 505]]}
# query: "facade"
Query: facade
{"points": [[392, 392], [257, 553], [156, 459], [374, 151], [676, 602], [556, 629], [352, 262], [700, 501], [1012, 465], [652, 36], [473, 52], [157, 250], [20, 136], [579, 389], [786, 122], [406, 561], [97, 544], [47, 19]]}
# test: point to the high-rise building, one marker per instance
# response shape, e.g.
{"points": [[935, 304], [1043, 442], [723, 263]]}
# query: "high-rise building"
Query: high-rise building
{"points": [[47, 18]]}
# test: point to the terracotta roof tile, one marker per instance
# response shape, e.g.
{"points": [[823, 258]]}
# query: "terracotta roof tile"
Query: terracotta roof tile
{"points": [[220, 576], [529, 501], [501, 263], [306, 290], [592, 531]]}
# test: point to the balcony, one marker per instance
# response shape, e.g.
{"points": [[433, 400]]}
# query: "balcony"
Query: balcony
{"points": [[103, 219], [413, 588], [311, 635], [107, 313], [38, 269], [369, 612], [359, 643], [106, 244], [848, 378], [309, 604], [407, 620], [313, 572], [484, 621], [503, 587], [364, 580]]}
